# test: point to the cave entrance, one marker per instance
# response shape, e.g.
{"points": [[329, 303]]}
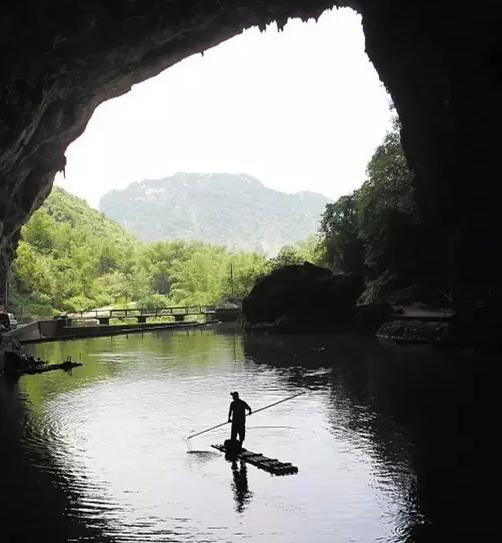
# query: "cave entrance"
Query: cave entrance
{"points": [[441, 64], [300, 109], [304, 103]]}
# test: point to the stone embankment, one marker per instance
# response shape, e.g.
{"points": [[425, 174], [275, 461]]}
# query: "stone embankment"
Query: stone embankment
{"points": [[56, 330]]}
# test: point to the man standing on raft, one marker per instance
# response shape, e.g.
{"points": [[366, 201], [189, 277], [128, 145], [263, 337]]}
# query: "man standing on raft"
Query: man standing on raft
{"points": [[237, 415]]}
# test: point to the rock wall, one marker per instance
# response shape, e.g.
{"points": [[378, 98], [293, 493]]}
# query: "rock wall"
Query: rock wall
{"points": [[442, 62], [439, 60]]}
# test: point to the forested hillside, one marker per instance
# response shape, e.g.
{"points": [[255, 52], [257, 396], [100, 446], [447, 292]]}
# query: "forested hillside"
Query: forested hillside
{"points": [[72, 257], [236, 211]]}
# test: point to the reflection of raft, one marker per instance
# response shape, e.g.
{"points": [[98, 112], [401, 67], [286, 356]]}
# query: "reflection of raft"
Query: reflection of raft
{"points": [[272, 465]]}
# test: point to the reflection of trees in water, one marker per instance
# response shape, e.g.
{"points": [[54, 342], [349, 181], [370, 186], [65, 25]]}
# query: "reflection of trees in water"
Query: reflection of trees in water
{"points": [[111, 356], [242, 494], [419, 410]]}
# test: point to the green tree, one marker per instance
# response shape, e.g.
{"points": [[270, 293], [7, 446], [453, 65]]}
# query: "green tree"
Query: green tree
{"points": [[386, 209], [72, 257], [344, 250], [375, 231], [243, 270]]}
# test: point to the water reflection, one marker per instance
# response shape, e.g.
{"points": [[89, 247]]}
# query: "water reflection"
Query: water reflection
{"points": [[242, 494], [393, 444], [425, 415]]}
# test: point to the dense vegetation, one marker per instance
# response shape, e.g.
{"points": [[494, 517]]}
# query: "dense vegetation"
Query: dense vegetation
{"points": [[376, 231], [71, 257], [374, 241], [232, 210]]}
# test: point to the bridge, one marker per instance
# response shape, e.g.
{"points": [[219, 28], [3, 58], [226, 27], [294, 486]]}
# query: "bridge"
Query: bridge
{"points": [[103, 316]]}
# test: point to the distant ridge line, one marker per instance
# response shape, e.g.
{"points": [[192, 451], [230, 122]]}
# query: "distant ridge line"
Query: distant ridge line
{"points": [[234, 210]]}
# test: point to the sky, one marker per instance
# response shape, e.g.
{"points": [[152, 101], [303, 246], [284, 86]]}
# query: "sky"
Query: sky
{"points": [[301, 109]]}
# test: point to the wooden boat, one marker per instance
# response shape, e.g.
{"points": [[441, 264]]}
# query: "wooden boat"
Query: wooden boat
{"points": [[66, 366], [18, 363]]}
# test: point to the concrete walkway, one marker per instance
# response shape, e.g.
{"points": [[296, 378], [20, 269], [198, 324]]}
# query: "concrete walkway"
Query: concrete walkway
{"points": [[51, 330]]}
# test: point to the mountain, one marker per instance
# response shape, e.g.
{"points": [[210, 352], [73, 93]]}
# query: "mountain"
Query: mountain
{"points": [[66, 208], [237, 211]]}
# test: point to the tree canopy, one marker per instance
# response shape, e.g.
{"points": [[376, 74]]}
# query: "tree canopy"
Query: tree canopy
{"points": [[71, 257], [376, 232]]}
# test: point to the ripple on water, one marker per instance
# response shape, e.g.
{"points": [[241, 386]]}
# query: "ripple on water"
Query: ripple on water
{"points": [[114, 433]]}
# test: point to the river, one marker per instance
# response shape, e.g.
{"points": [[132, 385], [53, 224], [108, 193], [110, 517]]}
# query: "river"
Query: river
{"points": [[386, 439]]}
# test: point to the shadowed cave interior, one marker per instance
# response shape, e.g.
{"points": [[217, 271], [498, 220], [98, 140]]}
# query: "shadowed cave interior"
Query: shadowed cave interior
{"points": [[441, 63]]}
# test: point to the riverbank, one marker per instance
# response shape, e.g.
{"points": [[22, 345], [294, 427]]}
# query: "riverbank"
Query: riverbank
{"points": [[52, 330]]}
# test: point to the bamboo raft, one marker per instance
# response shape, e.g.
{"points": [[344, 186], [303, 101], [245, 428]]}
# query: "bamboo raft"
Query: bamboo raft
{"points": [[271, 465]]}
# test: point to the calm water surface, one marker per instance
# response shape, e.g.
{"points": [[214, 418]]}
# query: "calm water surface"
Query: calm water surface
{"points": [[384, 440]]}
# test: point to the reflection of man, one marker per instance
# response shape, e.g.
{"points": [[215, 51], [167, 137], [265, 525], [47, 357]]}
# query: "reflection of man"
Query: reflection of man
{"points": [[242, 495], [237, 414]]}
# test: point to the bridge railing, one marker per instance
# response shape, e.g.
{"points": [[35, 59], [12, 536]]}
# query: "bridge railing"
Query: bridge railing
{"points": [[139, 312]]}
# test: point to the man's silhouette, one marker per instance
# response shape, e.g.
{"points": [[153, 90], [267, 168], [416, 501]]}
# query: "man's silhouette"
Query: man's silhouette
{"points": [[237, 414]]}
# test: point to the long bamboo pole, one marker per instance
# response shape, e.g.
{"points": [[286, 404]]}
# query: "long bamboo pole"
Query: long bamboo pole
{"points": [[253, 412]]}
